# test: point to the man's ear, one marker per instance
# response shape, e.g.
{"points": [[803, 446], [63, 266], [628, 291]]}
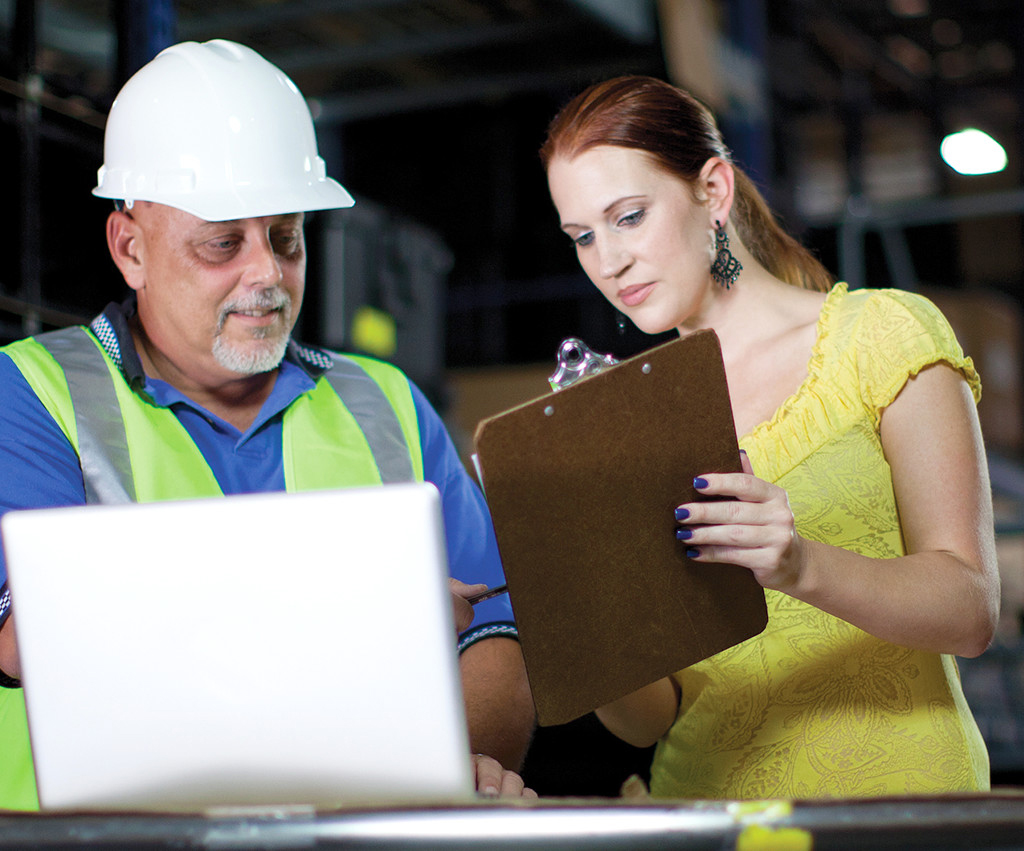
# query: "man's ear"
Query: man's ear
{"points": [[124, 240], [718, 183]]}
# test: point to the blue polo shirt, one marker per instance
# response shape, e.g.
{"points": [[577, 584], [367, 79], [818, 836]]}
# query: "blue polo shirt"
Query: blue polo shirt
{"points": [[39, 468]]}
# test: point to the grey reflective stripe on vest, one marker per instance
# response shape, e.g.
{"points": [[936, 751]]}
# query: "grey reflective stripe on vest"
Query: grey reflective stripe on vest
{"points": [[375, 416], [102, 442]]}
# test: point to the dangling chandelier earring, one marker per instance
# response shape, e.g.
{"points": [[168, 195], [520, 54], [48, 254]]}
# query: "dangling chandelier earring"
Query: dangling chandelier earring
{"points": [[726, 268]]}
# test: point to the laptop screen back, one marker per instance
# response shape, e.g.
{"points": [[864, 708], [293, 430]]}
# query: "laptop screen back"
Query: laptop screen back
{"points": [[270, 649]]}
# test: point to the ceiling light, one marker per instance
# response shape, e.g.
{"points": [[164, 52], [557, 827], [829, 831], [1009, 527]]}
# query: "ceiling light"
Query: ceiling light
{"points": [[972, 151]]}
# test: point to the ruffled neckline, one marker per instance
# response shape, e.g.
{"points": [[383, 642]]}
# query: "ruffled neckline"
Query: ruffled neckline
{"points": [[814, 365]]}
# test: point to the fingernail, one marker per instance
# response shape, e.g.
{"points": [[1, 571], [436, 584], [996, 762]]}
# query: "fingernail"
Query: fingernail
{"points": [[684, 534], [682, 513], [743, 452], [692, 552], [490, 792], [700, 482]]}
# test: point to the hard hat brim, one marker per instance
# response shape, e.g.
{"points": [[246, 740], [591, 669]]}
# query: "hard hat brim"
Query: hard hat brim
{"points": [[326, 194]]}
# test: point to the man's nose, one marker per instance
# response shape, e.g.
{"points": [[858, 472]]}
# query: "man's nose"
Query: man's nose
{"points": [[264, 267]]}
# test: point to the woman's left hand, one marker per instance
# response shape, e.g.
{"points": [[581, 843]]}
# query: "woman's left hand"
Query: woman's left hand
{"points": [[752, 527]]}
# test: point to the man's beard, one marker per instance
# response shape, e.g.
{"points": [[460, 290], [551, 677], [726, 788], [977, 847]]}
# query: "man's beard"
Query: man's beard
{"points": [[269, 343]]}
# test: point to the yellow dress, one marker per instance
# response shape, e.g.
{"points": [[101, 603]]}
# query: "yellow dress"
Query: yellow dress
{"points": [[814, 707]]}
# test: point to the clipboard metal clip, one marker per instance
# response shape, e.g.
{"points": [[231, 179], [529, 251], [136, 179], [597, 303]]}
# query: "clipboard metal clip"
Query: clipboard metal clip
{"points": [[576, 361]]}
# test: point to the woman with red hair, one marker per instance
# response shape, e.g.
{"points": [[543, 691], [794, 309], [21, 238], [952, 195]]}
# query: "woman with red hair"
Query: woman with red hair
{"points": [[864, 507]]}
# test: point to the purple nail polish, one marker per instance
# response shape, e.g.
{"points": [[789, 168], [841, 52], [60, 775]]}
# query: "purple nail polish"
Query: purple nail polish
{"points": [[682, 513], [684, 534], [692, 552], [700, 482]]}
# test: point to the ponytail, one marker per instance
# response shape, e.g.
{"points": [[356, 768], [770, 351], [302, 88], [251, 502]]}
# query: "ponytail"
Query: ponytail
{"points": [[779, 253]]}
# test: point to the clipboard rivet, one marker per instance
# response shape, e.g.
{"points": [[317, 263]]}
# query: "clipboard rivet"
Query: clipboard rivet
{"points": [[548, 411], [646, 369]]}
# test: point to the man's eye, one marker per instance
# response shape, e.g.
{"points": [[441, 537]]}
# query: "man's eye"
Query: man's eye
{"points": [[287, 244], [221, 246]]}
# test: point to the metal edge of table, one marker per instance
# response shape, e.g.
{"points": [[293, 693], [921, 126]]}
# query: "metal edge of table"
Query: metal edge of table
{"points": [[982, 821]]}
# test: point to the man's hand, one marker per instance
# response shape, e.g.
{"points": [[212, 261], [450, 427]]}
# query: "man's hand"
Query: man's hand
{"points": [[493, 781], [462, 610]]}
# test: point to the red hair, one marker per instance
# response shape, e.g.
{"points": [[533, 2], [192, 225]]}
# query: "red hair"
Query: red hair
{"points": [[680, 135]]}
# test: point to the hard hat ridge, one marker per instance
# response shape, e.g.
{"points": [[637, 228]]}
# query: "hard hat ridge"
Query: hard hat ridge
{"points": [[218, 131]]}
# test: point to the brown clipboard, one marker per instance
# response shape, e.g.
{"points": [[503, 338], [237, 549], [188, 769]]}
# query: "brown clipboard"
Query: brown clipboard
{"points": [[582, 485]]}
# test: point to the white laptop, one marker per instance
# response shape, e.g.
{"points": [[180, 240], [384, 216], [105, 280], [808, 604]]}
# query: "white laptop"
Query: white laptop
{"points": [[263, 650]]}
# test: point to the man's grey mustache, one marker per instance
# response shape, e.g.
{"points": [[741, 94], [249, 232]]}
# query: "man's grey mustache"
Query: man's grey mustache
{"points": [[274, 299]]}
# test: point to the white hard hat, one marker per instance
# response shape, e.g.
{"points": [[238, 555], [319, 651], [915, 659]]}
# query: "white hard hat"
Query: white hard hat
{"points": [[216, 130]]}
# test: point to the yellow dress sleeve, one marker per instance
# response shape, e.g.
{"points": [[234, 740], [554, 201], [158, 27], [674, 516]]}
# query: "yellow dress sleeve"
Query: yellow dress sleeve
{"points": [[898, 334]]}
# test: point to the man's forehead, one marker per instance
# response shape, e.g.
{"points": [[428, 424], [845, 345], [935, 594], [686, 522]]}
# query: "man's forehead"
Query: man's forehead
{"points": [[185, 217], [264, 221]]}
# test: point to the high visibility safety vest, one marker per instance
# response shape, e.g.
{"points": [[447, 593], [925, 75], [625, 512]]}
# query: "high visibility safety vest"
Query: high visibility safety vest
{"points": [[356, 427]]}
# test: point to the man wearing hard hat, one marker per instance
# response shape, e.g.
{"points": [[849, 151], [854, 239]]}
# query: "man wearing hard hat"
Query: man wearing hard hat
{"points": [[193, 386]]}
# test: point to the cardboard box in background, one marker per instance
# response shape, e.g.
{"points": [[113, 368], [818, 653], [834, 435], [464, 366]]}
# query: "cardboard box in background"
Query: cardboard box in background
{"points": [[476, 394], [1010, 554], [988, 325]]}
